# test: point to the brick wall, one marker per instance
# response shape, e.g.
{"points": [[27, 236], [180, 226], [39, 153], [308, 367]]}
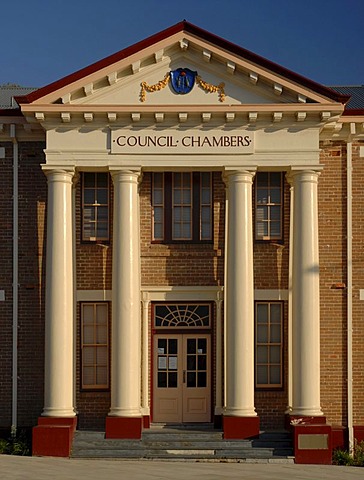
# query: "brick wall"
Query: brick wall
{"points": [[332, 235], [182, 264], [6, 282], [358, 283], [32, 245], [32, 201], [164, 265]]}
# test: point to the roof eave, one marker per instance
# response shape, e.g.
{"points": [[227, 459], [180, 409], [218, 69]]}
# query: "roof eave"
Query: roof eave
{"points": [[193, 30], [10, 112], [353, 112]]}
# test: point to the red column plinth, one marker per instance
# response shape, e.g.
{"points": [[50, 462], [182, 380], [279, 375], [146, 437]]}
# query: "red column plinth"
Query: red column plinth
{"points": [[240, 427], [53, 436], [312, 443], [146, 421], [124, 427]]}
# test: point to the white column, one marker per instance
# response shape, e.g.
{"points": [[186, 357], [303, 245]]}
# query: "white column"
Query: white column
{"points": [[239, 297], [126, 322], [305, 296], [290, 267], [59, 373]]}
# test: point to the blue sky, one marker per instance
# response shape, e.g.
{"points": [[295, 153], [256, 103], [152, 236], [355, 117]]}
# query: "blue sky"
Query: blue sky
{"points": [[44, 40]]}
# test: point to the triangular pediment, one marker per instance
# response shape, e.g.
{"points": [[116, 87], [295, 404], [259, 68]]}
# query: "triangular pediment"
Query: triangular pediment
{"points": [[138, 78], [152, 85]]}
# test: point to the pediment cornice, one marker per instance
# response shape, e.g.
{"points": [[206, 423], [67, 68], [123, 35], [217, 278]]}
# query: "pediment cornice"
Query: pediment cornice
{"points": [[183, 40]]}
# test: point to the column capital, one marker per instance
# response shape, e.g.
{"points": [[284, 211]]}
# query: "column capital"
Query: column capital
{"points": [[125, 174], [219, 297], [58, 173], [239, 175], [304, 174], [76, 178], [145, 298]]}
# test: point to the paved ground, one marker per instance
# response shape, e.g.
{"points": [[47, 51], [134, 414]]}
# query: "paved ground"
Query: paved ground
{"points": [[12, 467]]}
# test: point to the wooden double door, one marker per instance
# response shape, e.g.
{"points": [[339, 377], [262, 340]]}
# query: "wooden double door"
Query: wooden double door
{"points": [[181, 378]]}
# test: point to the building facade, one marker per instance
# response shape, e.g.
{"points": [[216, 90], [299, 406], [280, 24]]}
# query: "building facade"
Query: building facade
{"points": [[182, 232]]}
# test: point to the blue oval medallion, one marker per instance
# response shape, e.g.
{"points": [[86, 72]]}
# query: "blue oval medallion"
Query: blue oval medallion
{"points": [[183, 80]]}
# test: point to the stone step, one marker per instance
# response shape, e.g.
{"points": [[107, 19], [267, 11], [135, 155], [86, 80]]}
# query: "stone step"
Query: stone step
{"points": [[182, 444], [178, 453], [182, 436]]}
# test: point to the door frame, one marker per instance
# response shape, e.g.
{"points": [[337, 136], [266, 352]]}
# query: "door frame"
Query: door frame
{"points": [[183, 331]]}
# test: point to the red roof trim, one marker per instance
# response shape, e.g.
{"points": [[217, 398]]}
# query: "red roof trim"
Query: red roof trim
{"points": [[10, 112], [253, 57], [105, 62], [199, 32], [353, 111]]}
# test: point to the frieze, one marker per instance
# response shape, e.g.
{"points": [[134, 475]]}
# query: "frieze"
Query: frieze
{"points": [[185, 142]]}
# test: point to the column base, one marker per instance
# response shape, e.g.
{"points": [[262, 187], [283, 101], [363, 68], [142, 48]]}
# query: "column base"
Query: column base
{"points": [[146, 421], [53, 436], [305, 420], [240, 427], [124, 427], [312, 443], [218, 421]]}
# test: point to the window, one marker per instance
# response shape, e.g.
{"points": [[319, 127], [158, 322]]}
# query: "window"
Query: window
{"points": [[95, 207], [182, 315], [182, 207], [268, 206], [94, 346], [268, 344]]}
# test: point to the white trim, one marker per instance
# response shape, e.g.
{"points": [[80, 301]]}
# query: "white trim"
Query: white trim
{"points": [[180, 294], [93, 295], [361, 294], [266, 295], [194, 293]]}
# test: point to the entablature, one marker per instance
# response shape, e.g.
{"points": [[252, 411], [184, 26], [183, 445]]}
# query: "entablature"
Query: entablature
{"points": [[51, 115]]}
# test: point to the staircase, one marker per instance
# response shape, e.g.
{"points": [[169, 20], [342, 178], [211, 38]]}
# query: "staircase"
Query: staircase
{"points": [[199, 444]]}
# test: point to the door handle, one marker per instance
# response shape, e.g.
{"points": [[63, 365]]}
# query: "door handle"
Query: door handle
{"points": [[184, 376]]}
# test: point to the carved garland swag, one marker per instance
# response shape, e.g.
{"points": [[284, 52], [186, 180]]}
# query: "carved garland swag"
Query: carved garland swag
{"points": [[207, 87]]}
